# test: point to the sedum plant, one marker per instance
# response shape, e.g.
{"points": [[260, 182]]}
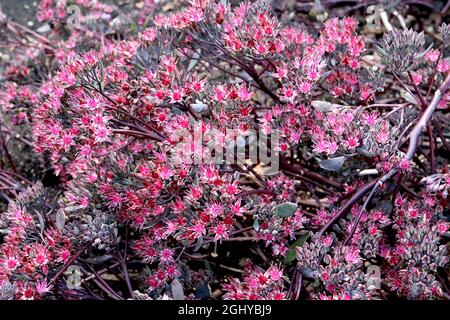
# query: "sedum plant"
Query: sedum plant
{"points": [[148, 120]]}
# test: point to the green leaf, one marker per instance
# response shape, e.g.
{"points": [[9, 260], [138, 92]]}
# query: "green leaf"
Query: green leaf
{"points": [[256, 225], [286, 209], [333, 164], [292, 252], [177, 290], [199, 243], [60, 220], [408, 96], [133, 27]]}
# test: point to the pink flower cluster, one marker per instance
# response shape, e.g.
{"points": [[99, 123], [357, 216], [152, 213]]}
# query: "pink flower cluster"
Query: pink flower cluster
{"points": [[257, 285], [32, 249]]}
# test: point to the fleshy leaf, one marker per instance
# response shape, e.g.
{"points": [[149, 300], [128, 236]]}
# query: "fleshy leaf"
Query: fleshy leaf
{"points": [[292, 252], [287, 209], [177, 290], [333, 164], [60, 220], [322, 106]]}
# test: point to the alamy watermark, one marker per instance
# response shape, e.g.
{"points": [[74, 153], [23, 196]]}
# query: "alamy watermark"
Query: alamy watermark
{"points": [[74, 16], [225, 146], [74, 279], [374, 279], [73, 11], [73, 21]]}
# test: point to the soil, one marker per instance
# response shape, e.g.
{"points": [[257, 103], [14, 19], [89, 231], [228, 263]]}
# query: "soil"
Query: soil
{"points": [[22, 11]]}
